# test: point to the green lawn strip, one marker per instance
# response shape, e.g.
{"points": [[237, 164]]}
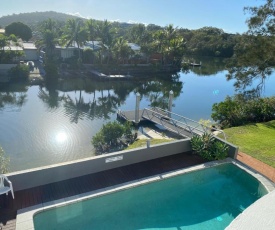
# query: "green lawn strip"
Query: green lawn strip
{"points": [[256, 140], [143, 143]]}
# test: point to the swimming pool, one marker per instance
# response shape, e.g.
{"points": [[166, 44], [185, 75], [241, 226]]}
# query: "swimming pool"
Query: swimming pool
{"points": [[205, 199]]}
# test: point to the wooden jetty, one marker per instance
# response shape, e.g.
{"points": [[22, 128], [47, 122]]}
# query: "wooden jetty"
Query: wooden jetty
{"points": [[158, 117], [173, 122], [130, 115]]}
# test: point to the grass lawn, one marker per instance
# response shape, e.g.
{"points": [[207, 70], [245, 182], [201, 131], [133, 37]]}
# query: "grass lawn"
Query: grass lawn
{"points": [[256, 140], [143, 143]]}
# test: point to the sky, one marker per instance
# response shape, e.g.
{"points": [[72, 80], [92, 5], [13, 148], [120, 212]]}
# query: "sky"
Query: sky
{"points": [[191, 14]]}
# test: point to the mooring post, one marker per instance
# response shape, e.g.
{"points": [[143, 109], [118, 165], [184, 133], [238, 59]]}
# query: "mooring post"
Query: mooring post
{"points": [[137, 108], [148, 143], [171, 96]]}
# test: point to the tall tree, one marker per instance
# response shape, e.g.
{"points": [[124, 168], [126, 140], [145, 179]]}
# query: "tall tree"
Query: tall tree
{"points": [[262, 20], [121, 49], [254, 55], [75, 32], [138, 34], [48, 40], [92, 26], [20, 30]]}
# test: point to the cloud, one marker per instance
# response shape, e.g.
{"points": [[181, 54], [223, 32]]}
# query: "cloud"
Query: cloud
{"points": [[77, 14]]}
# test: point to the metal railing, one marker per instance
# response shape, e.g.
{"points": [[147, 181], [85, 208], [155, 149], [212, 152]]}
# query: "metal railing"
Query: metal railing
{"points": [[179, 123]]}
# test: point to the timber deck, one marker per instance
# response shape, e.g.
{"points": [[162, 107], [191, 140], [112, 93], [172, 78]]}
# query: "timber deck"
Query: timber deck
{"points": [[91, 182]]}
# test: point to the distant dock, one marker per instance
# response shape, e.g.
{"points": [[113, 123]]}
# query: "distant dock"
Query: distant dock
{"points": [[102, 76]]}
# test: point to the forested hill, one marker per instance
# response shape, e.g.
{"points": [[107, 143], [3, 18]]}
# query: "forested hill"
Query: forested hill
{"points": [[206, 41], [33, 19]]}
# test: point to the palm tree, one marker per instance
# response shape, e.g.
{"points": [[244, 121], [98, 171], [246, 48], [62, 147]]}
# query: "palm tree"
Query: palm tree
{"points": [[49, 37], [105, 33], [121, 49], [159, 43], [75, 33], [92, 28]]}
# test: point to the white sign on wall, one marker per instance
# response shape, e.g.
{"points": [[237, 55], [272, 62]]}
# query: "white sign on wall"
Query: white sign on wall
{"points": [[111, 159]]}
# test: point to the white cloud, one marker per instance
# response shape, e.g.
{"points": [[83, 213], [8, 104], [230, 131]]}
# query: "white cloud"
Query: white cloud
{"points": [[77, 14]]}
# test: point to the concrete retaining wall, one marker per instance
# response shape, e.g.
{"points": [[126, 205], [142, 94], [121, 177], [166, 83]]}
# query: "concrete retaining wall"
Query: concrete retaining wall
{"points": [[54, 173], [233, 149], [45, 175]]}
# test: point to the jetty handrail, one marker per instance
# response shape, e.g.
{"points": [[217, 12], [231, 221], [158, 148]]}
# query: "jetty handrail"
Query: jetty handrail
{"points": [[164, 116], [179, 126]]}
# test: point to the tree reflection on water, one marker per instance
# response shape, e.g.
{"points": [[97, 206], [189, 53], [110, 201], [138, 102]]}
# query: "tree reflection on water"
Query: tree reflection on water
{"points": [[101, 99], [13, 96]]}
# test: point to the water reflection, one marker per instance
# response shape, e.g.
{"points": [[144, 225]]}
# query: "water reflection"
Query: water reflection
{"points": [[210, 66], [61, 137], [13, 96], [102, 99]]}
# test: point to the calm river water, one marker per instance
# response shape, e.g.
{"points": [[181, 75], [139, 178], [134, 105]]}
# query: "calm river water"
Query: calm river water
{"points": [[48, 125]]}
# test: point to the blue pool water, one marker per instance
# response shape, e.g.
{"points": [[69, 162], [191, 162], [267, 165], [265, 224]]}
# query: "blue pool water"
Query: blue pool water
{"points": [[205, 199]]}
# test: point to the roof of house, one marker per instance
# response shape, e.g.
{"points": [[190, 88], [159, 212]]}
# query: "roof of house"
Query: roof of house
{"points": [[64, 47], [13, 48], [94, 45], [29, 46], [134, 46]]}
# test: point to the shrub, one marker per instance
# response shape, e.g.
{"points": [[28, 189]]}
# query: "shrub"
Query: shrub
{"points": [[209, 147], [238, 110], [110, 135], [19, 72]]}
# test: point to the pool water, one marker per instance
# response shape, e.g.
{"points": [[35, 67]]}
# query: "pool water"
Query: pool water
{"points": [[205, 199]]}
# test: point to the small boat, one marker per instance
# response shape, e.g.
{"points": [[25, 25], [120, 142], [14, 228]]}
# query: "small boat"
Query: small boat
{"points": [[195, 64], [191, 63]]}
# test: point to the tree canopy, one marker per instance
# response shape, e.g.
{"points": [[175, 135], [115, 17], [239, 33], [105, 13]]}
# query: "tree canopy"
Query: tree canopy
{"points": [[253, 60], [20, 30]]}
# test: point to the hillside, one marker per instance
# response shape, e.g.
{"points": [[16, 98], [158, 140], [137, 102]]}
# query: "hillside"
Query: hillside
{"points": [[33, 19]]}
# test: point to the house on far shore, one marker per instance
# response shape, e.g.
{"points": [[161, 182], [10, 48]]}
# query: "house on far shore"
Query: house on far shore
{"points": [[30, 50], [65, 52], [2, 31]]}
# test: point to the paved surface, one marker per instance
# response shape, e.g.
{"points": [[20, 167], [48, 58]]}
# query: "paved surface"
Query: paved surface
{"points": [[259, 166], [260, 215]]}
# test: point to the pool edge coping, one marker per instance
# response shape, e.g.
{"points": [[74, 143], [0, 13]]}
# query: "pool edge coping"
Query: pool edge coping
{"points": [[24, 218]]}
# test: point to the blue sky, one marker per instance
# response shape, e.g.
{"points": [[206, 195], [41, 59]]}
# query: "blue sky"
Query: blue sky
{"points": [[192, 14]]}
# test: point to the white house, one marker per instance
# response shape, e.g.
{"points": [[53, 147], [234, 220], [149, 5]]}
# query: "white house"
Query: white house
{"points": [[30, 51], [65, 52]]}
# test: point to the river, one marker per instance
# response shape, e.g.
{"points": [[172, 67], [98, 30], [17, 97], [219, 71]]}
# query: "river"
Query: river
{"points": [[48, 125]]}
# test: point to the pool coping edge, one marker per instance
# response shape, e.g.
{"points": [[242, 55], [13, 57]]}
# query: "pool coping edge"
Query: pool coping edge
{"points": [[24, 219]]}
